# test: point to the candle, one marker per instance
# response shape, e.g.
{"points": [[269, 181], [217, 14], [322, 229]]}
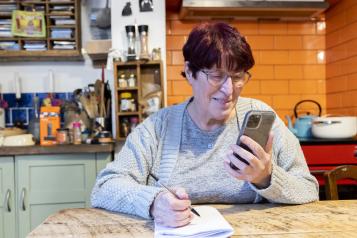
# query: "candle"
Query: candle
{"points": [[17, 86], [51, 81]]}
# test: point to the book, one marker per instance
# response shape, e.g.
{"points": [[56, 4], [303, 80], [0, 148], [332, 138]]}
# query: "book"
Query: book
{"points": [[210, 224]]}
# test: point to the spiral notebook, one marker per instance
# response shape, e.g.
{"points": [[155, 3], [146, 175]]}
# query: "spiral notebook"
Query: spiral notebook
{"points": [[210, 224]]}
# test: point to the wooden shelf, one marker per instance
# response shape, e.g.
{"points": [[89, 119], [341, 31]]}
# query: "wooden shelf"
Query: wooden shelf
{"points": [[60, 3], [128, 89], [128, 113], [60, 14], [49, 54], [62, 26], [146, 72], [62, 39]]}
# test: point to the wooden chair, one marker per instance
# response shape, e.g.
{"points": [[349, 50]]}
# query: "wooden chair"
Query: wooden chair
{"points": [[340, 172]]}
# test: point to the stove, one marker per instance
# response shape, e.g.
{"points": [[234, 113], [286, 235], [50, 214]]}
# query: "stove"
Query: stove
{"points": [[325, 154]]}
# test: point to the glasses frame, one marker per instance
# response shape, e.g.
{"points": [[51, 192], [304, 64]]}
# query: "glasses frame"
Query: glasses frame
{"points": [[226, 77]]}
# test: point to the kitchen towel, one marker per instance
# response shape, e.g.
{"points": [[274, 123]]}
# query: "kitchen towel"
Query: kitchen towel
{"points": [[210, 224]]}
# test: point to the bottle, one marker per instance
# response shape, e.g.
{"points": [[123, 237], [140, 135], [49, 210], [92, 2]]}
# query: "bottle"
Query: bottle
{"points": [[125, 127], [77, 133]]}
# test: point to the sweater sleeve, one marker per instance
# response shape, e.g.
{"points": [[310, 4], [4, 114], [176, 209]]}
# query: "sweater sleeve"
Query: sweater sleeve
{"points": [[122, 185], [291, 181]]}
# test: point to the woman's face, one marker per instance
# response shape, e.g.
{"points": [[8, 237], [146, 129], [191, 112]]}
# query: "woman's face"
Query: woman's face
{"points": [[212, 99]]}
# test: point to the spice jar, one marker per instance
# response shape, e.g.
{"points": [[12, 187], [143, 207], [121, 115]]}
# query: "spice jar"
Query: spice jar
{"points": [[131, 80], [127, 102], [62, 136], [123, 83]]}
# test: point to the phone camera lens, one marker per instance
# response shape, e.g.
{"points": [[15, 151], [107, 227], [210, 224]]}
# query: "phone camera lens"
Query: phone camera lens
{"points": [[253, 121]]}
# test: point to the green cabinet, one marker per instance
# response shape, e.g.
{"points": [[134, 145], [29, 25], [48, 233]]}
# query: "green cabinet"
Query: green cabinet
{"points": [[7, 197], [45, 184]]}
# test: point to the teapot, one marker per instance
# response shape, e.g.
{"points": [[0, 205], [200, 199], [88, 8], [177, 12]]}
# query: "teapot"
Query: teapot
{"points": [[303, 124]]}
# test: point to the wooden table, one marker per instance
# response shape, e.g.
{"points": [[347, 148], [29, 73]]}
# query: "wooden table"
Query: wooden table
{"points": [[320, 219]]}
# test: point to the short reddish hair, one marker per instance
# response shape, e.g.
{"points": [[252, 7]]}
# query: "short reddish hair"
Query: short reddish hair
{"points": [[217, 44]]}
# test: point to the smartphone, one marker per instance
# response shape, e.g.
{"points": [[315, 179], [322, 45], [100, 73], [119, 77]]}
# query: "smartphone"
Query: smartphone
{"points": [[256, 125]]}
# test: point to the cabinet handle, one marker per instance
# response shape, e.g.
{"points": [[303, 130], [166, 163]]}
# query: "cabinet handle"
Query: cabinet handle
{"points": [[8, 195], [23, 194]]}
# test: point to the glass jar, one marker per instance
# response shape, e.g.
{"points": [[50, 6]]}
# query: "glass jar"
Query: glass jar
{"points": [[131, 80], [62, 136], [122, 82], [127, 102]]}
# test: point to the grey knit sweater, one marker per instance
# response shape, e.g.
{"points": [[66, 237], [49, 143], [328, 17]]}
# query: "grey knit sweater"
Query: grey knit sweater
{"points": [[157, 146]]}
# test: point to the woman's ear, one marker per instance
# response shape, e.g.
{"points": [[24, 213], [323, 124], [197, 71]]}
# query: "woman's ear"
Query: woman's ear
{"points": [[188, 72]]}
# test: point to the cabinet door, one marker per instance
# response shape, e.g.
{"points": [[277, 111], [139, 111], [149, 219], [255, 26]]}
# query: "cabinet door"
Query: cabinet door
{"points": [[102, 160], [7, 197], [49, 183]]}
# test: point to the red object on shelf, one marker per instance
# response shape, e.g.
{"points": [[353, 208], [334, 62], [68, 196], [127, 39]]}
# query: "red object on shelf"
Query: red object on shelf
{"points": [[322, 157]]}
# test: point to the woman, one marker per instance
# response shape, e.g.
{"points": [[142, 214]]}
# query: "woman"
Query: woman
{"points": [[190, 146]]}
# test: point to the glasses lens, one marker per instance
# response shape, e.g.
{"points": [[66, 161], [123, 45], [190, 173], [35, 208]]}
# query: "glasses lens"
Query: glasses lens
{"points": [[218, 78], [240, 79]]}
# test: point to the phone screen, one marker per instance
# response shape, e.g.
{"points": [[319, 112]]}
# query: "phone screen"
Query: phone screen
{"points": [[256, 125]]}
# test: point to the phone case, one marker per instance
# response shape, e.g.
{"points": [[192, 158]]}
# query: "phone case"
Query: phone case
{"points": [[256, 125]]}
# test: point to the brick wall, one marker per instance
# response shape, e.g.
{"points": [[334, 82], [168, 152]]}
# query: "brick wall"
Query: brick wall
{"points": [[341, 58], [287, 68]]}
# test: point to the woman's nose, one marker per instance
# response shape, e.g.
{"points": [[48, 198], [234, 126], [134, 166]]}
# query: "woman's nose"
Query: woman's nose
{"points": [[227, 86]]}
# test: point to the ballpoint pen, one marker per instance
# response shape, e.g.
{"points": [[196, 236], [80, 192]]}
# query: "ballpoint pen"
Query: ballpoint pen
{"points": [[173, 193]]}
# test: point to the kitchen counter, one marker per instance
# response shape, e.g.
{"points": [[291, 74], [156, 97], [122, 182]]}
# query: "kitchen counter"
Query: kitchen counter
{"points": [[318, 219], [57, 149], [318, 141]]}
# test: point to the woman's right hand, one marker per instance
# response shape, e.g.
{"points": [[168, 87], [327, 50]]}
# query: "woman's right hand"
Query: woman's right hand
{"points": [[167, 210]]}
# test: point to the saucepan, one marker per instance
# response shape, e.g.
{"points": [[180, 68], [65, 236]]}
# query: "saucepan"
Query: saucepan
{"points": [[334, 127]]}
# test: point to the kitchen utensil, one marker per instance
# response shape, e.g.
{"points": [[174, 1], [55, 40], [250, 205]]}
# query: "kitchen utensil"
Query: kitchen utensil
{"points": [[334, 127], [103, 18], [302, 126]]}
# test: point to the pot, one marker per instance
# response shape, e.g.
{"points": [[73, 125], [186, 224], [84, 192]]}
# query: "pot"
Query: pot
{"points": [[302, 126], [334, 127]]}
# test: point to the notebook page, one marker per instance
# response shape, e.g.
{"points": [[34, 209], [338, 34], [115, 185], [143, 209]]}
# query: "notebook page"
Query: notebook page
{"points": [[210, 224]]}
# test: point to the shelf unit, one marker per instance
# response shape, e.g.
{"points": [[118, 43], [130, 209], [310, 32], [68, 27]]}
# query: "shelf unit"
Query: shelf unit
{"points": [[146, 73], [50, 54]]}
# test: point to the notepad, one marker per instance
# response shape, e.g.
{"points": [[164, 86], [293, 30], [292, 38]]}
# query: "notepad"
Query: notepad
{"points": [[210, 224]]}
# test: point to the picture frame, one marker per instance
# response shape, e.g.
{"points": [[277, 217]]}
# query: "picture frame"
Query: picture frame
{"points": [[28, 24]]}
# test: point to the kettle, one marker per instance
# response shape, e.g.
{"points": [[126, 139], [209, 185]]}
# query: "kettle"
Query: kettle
{"points": [[303, 124]]}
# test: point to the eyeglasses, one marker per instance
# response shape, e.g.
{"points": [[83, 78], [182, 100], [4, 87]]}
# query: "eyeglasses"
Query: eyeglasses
{"points": [[218, 78]]}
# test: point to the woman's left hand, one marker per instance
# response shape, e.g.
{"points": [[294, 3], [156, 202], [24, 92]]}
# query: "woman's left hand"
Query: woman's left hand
{"points": [[259, 169]]}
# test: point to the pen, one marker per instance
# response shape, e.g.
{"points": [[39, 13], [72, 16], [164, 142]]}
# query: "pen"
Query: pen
{"points": [[173, 193]]}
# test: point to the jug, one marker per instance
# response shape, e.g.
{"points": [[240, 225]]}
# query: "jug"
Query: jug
{"points": [[302, 126]]}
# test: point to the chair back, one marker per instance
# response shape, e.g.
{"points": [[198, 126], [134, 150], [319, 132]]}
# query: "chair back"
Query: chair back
{"points": [[331, 178]]}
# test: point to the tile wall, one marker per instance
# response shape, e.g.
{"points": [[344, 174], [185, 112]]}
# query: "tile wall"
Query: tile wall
{"points": [[341, 58], [290, 64]]}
